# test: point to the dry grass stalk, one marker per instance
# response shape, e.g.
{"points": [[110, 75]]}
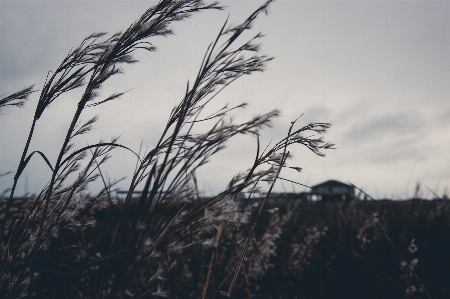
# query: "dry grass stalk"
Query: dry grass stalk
{"points": [[145, 234]]}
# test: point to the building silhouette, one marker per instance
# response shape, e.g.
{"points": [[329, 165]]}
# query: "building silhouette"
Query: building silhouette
{"points": [[330, 190]]}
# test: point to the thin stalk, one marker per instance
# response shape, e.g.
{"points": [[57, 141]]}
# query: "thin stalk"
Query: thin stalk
{"points": [[16, 179], [241, 260], [55, 172], [213, 258]]}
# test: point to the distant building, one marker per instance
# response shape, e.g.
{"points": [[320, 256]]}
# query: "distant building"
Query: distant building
{"points": [[330, 190]]}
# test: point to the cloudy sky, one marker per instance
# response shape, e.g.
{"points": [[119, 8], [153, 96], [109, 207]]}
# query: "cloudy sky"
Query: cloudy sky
{"points": [[379, 71]]}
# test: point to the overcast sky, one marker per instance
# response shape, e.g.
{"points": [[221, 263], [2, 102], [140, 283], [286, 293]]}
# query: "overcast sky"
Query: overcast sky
{"points": [[379, 71]]}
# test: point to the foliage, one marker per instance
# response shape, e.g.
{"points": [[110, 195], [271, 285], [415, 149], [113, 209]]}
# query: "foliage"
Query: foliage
{"points": [[171, 242], [144, 241]]}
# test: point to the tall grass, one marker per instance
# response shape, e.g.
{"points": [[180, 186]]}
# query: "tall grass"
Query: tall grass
{"points": [[143, 240]]}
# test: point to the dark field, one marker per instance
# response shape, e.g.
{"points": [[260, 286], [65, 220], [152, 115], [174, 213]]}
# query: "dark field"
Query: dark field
{"points": [[353, 249]]}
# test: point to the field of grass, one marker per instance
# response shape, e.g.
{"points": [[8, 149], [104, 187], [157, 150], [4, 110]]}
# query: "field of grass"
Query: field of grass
{"points": [[351, 249], [170, 242]]}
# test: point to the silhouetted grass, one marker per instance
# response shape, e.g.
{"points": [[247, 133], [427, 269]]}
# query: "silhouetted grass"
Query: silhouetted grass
{"points": [[171, 242], [64, 243]]}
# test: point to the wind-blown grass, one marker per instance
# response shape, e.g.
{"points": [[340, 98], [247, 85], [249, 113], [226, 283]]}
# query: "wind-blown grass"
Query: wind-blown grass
{"points": [[143, 238]]}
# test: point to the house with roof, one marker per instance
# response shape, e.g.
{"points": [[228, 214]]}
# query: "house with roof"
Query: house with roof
{"points": [[330, 190]]}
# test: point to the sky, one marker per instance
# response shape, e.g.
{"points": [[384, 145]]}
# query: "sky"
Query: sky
{"points": [[379, 71]]}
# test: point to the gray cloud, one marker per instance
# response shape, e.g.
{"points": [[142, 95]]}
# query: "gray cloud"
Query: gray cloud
{"points": [[389, 126], [378, 70]]}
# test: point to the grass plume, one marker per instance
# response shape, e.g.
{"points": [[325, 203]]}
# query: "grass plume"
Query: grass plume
{"points": [[145, 236]]}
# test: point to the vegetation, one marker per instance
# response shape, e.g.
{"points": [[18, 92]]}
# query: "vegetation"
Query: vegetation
{"points": [[140, 240], [171, 242]]}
